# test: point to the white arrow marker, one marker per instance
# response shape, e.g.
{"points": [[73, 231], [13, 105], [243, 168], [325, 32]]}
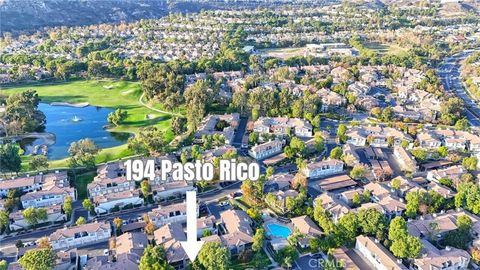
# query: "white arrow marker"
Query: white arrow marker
{"points": [[192, 246]]}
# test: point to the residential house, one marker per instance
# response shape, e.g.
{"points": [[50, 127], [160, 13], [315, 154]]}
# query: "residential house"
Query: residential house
{"points": [[125, 261], [239, 236], [168, 190], [168, 214], [376, 136], [47, 197], [169, 236], [54, 215], [377, 255], [406, 161], [449, 258], [348, 195], [282, 196], [331, 100], [101, 186], [104, 203], [323, 168], [283, 126], [265, 150], [210, 126], [332, 205], [25, 184], [307, 228], [34, 183], [135, 242], [80, 235], [207, 223], [277, 182], [453, 173], [445, 222]]}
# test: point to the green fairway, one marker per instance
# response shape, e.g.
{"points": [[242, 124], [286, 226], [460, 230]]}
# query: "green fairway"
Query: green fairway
{"points": [[103, 93], [386, 49]]}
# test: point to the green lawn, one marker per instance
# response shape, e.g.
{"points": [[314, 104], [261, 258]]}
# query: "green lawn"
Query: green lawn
{"points": [[80, 183], [103, 93], [386, 49]]}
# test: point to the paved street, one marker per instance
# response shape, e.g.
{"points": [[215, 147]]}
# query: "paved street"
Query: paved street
{"points": [[449, 73]]}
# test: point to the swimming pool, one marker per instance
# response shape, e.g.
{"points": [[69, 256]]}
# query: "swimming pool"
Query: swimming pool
{"points": [[279, 230]]}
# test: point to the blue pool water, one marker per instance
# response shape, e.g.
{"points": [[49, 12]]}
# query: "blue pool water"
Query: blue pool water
{"points": [[279, 230]]}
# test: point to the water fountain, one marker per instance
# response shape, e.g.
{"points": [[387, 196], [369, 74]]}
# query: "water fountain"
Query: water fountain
{"points": [[76, 119]]}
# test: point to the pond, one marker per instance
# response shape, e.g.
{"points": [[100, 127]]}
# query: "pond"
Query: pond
{"points": [[70, 124]]}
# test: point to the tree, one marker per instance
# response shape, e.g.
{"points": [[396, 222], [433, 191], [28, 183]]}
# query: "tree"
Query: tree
{"points": [[468, 197], [319, 143], [154, 258], [3, 265], [336, 153], [82, 153], [145, 187], [67, 206], [462, 124], [118, 222], [341, 133], [38, 162], [356, 199], [4, 220], [348, 227], [396, 183], [149, 227], [34, 215], [413, 203], [406, 247], [214, 256], [299, 180], [358, 172], [80, 221], [287, 256], [10, 160], [117, 117], [22, 109], [442, 151], [88, 205], [451, 110], [148, 140], [269, 172], [196, 98], [419, 154], [372, 222], [43, 243], [179, 125], [38, 259], [297, 146], [397, 229], [258, 240], [470, 163], [387, 114]]}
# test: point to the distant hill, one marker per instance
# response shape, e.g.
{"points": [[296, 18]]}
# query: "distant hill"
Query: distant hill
{"points": [[17, 16]]}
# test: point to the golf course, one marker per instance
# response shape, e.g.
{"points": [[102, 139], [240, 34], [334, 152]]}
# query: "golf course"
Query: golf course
{"points": [[106, 94]]}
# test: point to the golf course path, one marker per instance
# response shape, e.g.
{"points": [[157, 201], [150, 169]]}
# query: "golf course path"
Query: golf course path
{"points": [[153, 109]]}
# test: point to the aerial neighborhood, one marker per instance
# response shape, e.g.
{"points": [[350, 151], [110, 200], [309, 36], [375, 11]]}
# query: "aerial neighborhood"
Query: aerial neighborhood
{"points": [[363, 118]]}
